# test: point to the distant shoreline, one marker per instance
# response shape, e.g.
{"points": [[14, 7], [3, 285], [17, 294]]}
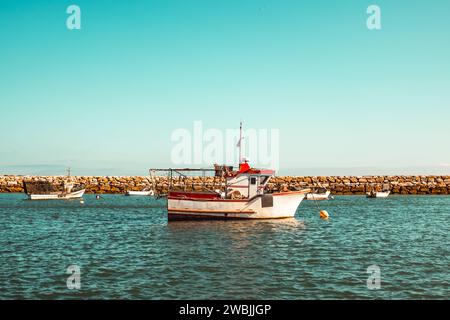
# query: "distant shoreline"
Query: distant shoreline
{"points": [[338, 185]]}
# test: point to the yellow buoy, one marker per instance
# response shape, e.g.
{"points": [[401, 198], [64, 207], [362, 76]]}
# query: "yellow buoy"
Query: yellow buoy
{"points": [[324, 215]]}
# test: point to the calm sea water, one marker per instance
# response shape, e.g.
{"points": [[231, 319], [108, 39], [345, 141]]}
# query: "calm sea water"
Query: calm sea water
{"points": [[126, 249]]}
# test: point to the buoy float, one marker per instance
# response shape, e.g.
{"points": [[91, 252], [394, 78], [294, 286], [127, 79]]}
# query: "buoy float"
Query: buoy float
{"points": [[81, 201], [324, 215]]}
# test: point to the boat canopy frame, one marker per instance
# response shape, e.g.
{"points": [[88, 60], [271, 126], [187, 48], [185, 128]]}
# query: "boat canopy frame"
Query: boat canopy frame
{"points": [[181, 173], [221, 172]]}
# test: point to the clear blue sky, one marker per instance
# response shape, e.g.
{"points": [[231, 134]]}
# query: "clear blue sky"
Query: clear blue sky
{"points": [[105, 99]]}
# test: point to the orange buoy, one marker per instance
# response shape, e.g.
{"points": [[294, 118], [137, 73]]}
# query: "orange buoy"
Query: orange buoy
{"points": [[324, 215]]}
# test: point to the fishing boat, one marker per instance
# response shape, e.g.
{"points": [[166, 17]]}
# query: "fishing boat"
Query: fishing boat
{"points": [[57, 195], [319, 194], [44, 190], [242, 195]]}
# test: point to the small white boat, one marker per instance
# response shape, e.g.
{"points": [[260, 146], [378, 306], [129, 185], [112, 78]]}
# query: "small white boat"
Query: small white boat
{"points": [[140, 193], [148, 191], [378, 194], [320, 194]]}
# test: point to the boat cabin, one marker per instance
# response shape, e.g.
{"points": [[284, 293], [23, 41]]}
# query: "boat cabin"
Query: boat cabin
{"points": [[248, 184]]}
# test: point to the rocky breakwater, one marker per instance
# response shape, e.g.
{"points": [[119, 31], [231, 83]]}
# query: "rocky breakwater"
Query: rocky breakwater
{"points": [[93, 184], [339, 185], [354, 185]]}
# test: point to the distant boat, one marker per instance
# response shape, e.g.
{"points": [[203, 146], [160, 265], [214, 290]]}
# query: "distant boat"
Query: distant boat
{"points": [[319, 194], [383, 193], [378, 194], [43, 190], [140, 193], [148, 191]]}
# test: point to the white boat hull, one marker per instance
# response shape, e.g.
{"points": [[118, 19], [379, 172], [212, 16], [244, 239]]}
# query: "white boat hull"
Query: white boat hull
{"points": [[378, 194], [139, 193], [318, 196], [284, 206], [57, 196]]}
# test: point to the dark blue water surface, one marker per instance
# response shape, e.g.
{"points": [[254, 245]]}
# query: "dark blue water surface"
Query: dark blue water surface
{"points": [[125, 248]]}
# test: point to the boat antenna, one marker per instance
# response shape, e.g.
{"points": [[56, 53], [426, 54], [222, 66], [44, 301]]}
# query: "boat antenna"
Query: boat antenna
{"points": [[68, 172], [240, 143]]}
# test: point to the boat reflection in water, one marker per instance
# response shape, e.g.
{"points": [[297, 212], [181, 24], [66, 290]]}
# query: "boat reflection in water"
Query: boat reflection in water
{"points": [[237, 233]]}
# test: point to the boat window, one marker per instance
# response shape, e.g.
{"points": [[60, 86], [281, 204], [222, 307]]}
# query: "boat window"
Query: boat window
{"points": [[252, 180]]}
